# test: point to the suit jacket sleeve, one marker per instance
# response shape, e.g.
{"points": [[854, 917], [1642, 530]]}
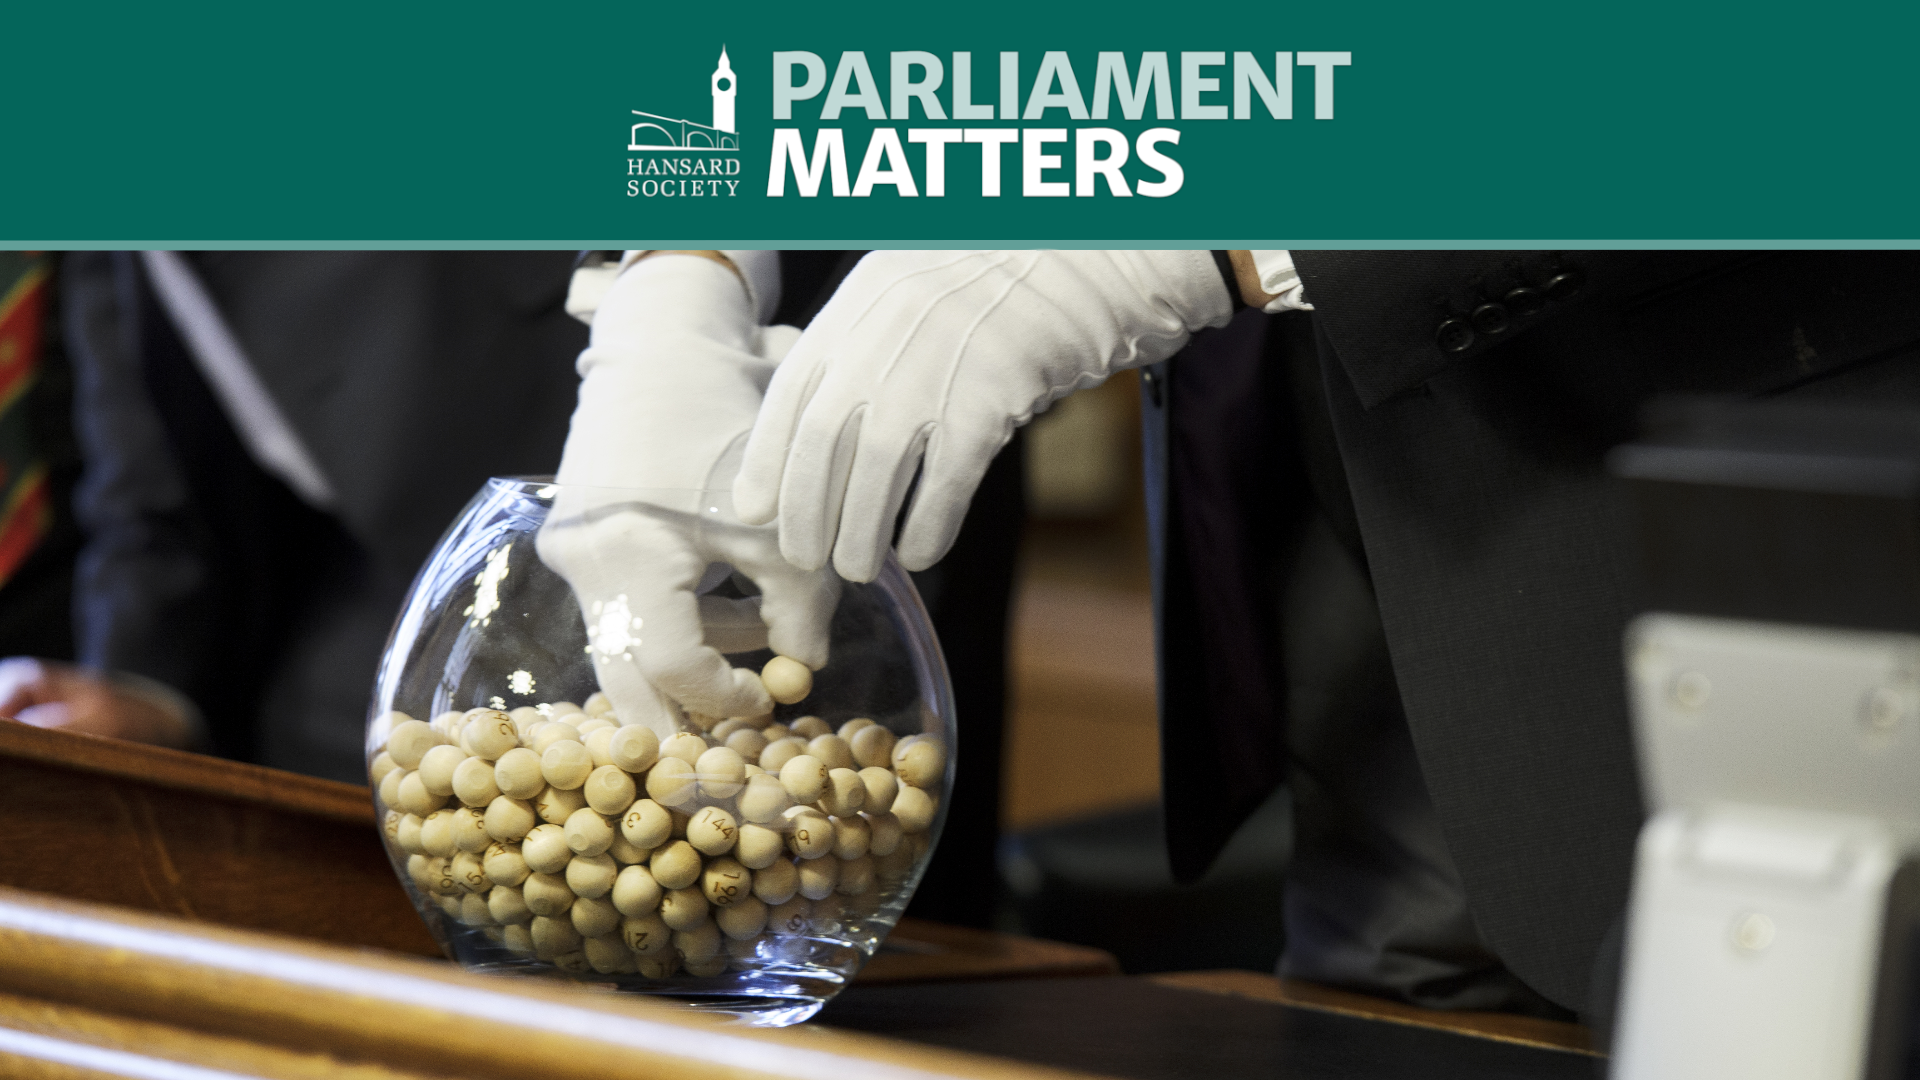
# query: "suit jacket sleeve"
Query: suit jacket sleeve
{"points": [[1398, 318]]}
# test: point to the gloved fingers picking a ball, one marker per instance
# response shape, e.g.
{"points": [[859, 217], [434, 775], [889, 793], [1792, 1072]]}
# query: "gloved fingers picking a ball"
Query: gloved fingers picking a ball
{"points": [[675, 656], [795, 606], [634, 574], [798, 611]]}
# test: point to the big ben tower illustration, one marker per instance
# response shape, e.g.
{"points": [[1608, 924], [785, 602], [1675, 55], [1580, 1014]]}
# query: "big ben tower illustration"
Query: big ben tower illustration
{"points": [[723, 87]]}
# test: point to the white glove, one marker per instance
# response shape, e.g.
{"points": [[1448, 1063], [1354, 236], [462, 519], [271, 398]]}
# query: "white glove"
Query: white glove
{"points": [[670, 384], [940, 355]]}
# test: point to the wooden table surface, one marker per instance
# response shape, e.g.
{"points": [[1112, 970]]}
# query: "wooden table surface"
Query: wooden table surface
{"points": [[217, 850]]}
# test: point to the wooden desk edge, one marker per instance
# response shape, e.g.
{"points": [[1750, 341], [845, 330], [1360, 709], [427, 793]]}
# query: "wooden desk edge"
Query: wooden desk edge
{"points": [[380, 1008], [185, 771], [63, 1040], [1500, 1027]]}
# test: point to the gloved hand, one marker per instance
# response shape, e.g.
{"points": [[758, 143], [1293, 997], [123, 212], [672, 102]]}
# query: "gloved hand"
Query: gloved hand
{"points": [[670, 384], [930, 360]]}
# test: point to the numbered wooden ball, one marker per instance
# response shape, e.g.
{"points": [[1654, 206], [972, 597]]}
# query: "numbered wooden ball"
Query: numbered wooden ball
{"points": [[634, 748], [588, 833], [832, 751], [758, 846], [811, 727], [508, 906], [489, 733], [504, 865], [805, 778], [787, 680], [675, 866], [671, 782], [809, 833], [791, 917], [724, 881], [473, 782], [591, 876], [845, 793], [646, 824], [698, 944], [409, 741], [778, 883], [683, 909], [545, 849], [922, 763], [685, 746], [712, 831], [646, 935], [556, 805], [510, 819], [818, 877], [594, 917], [872, 746], [635, 892], [414, 797], [436, 833], [915, 809], [721, 773], [609, 790], [566, 764], [764, 799], [881, 787], [743, 919], [517, 773], [780, 751], [436, 769], [470, 830], [546, 894]]}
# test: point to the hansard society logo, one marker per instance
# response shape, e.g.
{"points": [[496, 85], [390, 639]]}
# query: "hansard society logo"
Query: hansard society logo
{"points": [[685, 158]]}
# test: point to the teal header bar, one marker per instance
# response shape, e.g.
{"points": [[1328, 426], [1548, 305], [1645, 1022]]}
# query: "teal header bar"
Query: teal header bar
{"points": [[1630, 124]]}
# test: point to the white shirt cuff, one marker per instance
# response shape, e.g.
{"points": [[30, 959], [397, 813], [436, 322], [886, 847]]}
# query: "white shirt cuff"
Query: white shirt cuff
{"points": [[1280, 280]]}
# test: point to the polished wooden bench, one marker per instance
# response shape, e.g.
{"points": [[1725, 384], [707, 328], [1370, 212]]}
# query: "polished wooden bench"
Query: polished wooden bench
{"points": [[159, 907]]}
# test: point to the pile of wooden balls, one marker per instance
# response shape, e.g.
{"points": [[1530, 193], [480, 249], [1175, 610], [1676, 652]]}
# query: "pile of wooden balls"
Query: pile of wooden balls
{"points": [[593, 846]]}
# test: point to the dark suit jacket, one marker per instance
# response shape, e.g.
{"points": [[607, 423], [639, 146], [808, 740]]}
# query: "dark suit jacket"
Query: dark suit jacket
{"points": [[409, 376], [1471, 483]]}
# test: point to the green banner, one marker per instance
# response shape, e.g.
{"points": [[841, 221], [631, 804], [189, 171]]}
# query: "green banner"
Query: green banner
{"points": [[1490, 124]]}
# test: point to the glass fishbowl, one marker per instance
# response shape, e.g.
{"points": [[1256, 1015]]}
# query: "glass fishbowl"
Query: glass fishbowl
{"points": [[616, 738]]}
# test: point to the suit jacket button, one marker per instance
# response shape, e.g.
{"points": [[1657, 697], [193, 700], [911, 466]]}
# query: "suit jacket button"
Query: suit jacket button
{"points": [[1454, 336], [1524, 302], [1564, 284], [1491, 319]]}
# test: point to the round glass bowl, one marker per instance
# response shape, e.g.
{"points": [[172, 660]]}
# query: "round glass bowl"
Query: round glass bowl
{"points": [[550, 808]]}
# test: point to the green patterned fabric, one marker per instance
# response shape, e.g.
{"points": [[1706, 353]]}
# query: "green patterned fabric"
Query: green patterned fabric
{"points": [[25, 511]]}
